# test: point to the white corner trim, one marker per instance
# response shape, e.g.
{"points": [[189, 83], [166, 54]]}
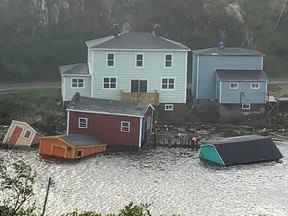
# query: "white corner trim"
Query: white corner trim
{"points": [[68, 122], [92, 75], [197, 76], [220, 92], [140, 132], [185, 77]]}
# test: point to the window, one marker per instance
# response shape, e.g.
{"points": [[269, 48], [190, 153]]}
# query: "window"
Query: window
{"points": [[255, 85], [110, 60], [246, 107], [83, 123], [169, 107], [125, 126], [168, 83], [138, 85], [77, 83], [27, 134], [233, 85], [139, 60], [79, 154], [110, 83], [168, 60]]}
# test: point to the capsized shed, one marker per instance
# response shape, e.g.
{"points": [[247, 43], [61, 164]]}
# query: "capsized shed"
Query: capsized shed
{"points": [[240, 150], [21, 134]]}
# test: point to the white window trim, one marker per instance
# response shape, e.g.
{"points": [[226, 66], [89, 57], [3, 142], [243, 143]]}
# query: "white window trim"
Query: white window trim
{"points": [[114, 59], [172, 62], [246, 108], [168, 89], [234, 88], [27, 138], [169, 107], [77, 83], [122, 127], [79, 120], [110, 78], [143, 59], [258, 85], [130, 89]]}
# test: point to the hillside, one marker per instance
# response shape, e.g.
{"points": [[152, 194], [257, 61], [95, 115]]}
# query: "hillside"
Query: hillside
{"points": [[39, 35]]}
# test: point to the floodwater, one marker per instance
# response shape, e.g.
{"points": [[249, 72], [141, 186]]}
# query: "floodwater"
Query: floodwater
{"points": [[174, 181]]}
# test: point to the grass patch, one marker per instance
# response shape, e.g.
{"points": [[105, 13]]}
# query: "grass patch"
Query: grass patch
{"points": [[42, 108], [279, 90]]}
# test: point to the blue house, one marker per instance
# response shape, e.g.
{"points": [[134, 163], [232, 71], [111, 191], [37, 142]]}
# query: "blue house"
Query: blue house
{"points": [[229, 77]]}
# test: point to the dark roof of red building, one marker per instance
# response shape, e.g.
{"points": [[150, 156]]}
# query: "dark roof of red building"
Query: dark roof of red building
{"points": [[82, 140], [241, 75], [103, 106]]}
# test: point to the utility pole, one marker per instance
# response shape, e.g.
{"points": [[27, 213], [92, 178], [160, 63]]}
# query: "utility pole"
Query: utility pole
{"points": [[46, 196]]}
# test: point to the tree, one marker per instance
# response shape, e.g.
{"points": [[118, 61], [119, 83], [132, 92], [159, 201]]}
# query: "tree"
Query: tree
{"points": [[16, 189]]}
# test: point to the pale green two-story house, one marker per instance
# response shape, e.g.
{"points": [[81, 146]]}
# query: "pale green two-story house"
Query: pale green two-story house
{"points": [[135, 65]]}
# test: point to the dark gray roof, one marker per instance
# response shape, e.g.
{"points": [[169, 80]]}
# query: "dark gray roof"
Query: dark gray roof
{"points": [[228, 51], [74, 69], [138, 40], [241, 75], [82, 140], [106, 106], [237, 139]]}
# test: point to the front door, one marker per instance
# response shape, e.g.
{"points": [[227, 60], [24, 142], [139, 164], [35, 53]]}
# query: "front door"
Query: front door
{"points": [[15, 135], [138, 85]]}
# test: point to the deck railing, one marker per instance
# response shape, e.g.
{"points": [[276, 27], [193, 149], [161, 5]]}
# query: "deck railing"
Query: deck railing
{"points": [[140, 97]]}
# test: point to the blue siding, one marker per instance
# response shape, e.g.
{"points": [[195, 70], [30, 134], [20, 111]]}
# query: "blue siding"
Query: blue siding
{"points": [[205, 84], [244, 94]]}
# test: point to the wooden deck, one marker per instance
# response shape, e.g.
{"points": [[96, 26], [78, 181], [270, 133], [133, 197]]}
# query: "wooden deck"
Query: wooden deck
{"points": [[140, 97]]}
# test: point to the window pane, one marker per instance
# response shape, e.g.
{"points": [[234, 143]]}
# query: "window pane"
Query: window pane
{"points": [[164, 83], [110, 60], [74, 83], [143, 86], [171, 83], [134, 85], [81, 83], [168, 64]]}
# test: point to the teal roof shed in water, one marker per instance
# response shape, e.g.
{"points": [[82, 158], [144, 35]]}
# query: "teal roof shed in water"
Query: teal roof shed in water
{"points": [[240, 150]]}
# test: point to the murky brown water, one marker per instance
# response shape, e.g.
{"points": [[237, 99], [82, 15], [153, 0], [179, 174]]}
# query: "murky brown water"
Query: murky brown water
{"points": [[174, 181]]}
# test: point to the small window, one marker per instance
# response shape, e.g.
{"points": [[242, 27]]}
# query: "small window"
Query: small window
{"points": [[168, 60], [233, 85], [168, 83], [125, 126], [79, 154], [139, 60], [246, 107], [77, 83], [27, 134], [169, 107], [110, 59], [255, 85], [83, 123], [110, 83]]}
